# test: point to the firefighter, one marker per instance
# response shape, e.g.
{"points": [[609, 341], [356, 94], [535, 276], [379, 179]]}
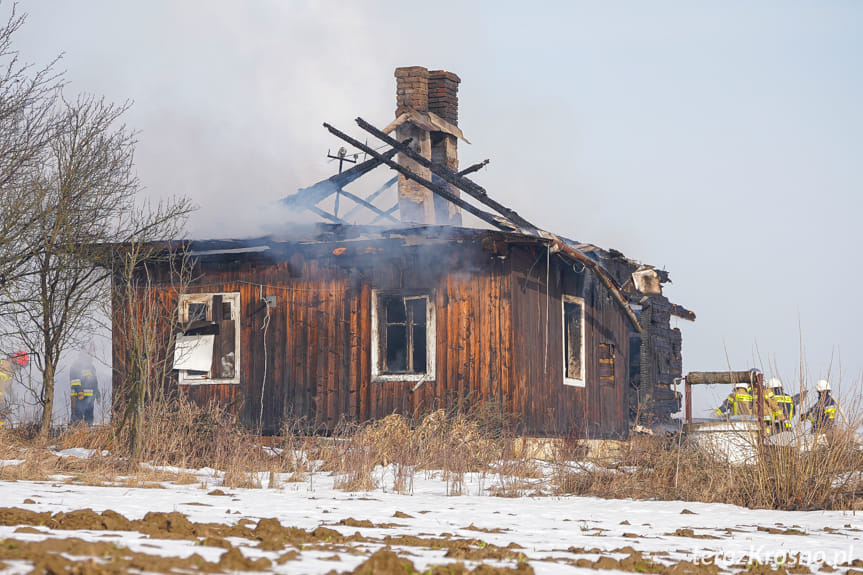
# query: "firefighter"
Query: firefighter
{"points": [[774, 417], [823, 413], [85, 389], [738, 402], [8, 367], [786, 403]]}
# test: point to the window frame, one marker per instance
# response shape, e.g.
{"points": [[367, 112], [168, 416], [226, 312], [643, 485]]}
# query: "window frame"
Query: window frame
{"points": [[378, 375], [573, 381], [183, 304]]}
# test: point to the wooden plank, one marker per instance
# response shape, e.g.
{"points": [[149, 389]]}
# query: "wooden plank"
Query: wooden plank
{"points": [[333, 322], [352, 369], [365, 351]]}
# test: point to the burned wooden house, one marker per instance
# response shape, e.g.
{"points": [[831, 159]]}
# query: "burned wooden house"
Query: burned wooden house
{"points": [[415, 312]]}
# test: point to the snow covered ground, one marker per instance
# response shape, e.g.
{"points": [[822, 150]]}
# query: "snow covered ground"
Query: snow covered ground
{"points": [[550, 533]]}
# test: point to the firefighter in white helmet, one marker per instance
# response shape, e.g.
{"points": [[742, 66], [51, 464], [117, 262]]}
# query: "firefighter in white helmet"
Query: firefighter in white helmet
{"points": [[823, 413], [738, 402], [782, 419], [773, 416]]}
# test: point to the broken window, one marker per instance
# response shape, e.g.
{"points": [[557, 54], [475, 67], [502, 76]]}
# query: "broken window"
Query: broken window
{"points": [[573, 340], [404, 336], [207, 349]]}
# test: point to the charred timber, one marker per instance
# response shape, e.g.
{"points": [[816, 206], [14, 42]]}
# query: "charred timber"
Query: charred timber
{"points": [[320, 191], [709, 377], [473, 168], [368, 205], [373, 196], [682, 312], [439, 190], [472, 189]]}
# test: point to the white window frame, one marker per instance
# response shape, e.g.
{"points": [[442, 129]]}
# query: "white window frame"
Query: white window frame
{"points": [[575, 382], [431, 337], [183, 377]]}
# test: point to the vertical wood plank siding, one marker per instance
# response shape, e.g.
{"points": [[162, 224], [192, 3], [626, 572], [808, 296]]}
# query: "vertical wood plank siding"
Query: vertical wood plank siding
{"points": [[496, 339]]}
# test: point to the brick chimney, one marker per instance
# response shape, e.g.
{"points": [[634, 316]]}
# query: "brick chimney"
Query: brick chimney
{"points": [[418, 90]]}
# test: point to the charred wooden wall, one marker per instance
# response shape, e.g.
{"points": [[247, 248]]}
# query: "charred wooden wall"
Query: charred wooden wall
{"points": [[498, 340], [599, 408], [659, 362]]}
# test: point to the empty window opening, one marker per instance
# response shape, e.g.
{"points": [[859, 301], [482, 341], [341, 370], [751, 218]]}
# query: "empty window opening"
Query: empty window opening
{"points": [[207, 349], [404, 336], [573, 340]]}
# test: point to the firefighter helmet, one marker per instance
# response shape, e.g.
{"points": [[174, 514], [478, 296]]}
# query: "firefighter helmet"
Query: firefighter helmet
{"points": [[822, 385], [774, 382], [742, 384]]}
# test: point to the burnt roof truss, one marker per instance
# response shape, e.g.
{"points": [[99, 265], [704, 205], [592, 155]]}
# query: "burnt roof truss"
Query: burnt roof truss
{"points": [[309, 198], [503, 218]]}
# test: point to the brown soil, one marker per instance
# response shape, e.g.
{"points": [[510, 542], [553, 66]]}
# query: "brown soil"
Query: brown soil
{"points": [[691, 534], [385, 562], [51, 555], [473, 527]]}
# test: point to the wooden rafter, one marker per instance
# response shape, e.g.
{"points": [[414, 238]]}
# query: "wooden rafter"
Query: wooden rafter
{"points": [[472, 189], [498, 222]]}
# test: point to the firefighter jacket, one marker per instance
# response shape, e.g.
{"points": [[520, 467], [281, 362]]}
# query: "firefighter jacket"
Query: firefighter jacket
{"points": [[786, 405], [5, 382], [737, 403], [771, 409], [823, 413], [85, 386]]}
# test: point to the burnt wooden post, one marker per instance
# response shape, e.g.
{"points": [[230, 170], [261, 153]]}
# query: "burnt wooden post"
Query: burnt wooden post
{"points": [[688, 401], [757, 382]]}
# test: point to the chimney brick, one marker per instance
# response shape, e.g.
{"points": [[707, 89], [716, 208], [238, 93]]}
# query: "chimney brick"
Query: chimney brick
{"points": [[436, 92]]}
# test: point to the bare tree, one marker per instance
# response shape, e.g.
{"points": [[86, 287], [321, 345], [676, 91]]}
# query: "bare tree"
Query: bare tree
{"points": [[145, 323], [87, 191], [27, 99]]}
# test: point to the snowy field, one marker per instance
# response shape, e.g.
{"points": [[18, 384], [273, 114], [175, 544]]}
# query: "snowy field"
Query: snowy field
{"points": [[428, 527]]}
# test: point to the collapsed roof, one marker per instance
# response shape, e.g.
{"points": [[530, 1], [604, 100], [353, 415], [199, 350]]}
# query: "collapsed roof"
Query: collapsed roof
{"points": [[424, 156]]}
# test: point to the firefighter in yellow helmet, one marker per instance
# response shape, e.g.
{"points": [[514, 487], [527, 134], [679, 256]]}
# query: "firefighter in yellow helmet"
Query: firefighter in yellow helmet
{"points": [[785, 402], [738, 402]]}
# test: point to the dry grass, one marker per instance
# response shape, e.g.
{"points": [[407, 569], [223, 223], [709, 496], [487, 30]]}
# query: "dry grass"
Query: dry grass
{"points": [[827, 476], [181, 436]]}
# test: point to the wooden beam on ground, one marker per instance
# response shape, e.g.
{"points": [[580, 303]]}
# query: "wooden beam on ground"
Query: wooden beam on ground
{"points": [[488, 218], [472, 189]]}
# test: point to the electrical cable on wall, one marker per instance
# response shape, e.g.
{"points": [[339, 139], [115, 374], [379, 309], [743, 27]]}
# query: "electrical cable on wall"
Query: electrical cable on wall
{"points": [[547, 280], [264, 381]]}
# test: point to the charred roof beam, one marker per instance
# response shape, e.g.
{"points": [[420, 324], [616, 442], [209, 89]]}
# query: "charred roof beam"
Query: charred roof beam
{"points": [[471, 188], [498, 222], [322, 190], [372, 197], [364, 203]]}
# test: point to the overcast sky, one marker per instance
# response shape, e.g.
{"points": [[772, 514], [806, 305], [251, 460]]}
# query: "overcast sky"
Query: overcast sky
{"points": [[722, 140]]}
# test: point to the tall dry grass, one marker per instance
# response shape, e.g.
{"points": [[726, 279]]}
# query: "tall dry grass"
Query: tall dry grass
{"points": [[807, 474], [179, 436]]}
